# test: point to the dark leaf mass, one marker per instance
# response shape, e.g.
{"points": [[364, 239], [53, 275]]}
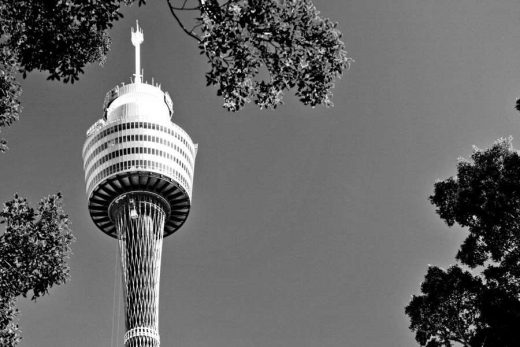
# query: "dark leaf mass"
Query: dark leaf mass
{"points": [[59, 37], [33, 256], [258, 49], [480, 307]]}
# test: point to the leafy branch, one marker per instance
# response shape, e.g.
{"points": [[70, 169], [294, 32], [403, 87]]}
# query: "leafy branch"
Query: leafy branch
{"points": [[34, 250]]}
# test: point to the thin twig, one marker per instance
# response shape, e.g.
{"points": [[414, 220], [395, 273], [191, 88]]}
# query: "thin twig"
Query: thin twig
{"points": [[186, 8], [172, 10], [195, 27]]}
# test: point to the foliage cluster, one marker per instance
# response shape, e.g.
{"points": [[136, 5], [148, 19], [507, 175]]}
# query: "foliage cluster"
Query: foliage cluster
{"points": [[10, 92], [59, 37], [33, 256], [479, 305], [257, 49]]}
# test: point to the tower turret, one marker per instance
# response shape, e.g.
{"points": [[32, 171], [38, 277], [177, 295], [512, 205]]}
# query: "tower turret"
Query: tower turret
{"points": [[139, 168]]}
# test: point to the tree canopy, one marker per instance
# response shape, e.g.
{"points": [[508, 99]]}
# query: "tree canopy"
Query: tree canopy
{"points": [[59, 37], [33, 256], [479, 306], [256, 49]]}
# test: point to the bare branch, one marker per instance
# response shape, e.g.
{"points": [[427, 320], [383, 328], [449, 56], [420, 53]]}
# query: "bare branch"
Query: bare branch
{"points": [[184, 8], [195, 27], [172, 10]]}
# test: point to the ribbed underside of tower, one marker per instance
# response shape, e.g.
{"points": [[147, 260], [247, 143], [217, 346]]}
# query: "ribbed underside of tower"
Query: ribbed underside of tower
{"points": [[139, 218]]}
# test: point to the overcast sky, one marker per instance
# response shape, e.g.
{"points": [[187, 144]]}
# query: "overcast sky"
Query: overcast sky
{"points": [[309, 227]]}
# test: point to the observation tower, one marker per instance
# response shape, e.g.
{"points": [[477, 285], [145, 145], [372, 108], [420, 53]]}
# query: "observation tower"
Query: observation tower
{"points": [[139, 169]]}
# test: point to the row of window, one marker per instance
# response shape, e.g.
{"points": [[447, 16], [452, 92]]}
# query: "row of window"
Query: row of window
{"points": [[143, 125], [137, 150], [139, 164], [136, 137]]}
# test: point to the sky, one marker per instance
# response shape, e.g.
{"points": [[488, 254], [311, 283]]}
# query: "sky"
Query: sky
{"points": [[309, 226]]}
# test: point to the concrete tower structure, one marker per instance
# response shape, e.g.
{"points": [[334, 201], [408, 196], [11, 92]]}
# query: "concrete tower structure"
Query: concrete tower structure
{"points": [[139, 169]]}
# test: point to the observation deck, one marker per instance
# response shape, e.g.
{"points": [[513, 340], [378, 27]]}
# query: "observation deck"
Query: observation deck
{"points": [[136, 147]]}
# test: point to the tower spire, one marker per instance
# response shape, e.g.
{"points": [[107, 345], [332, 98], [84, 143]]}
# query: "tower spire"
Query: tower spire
{"points": [[137, 39]]}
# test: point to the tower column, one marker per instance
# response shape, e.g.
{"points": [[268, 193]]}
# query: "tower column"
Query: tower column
{"points": [[139, 168], [139, 218]]}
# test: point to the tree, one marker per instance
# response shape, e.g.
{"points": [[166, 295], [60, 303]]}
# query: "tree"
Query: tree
{"points": [[479, 307], [33, 256], [256, 49], [59, 37]]}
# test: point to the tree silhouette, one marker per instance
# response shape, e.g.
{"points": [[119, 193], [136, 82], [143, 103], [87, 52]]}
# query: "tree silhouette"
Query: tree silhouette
{"points": [[479, 307], [33, 252]]}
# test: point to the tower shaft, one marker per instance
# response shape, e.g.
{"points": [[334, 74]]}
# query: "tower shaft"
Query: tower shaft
{"points": [[139, 218], [139, 168]]}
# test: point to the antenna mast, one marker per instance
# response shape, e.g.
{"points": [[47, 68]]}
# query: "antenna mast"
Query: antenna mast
{"points": [[137, 39]]}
